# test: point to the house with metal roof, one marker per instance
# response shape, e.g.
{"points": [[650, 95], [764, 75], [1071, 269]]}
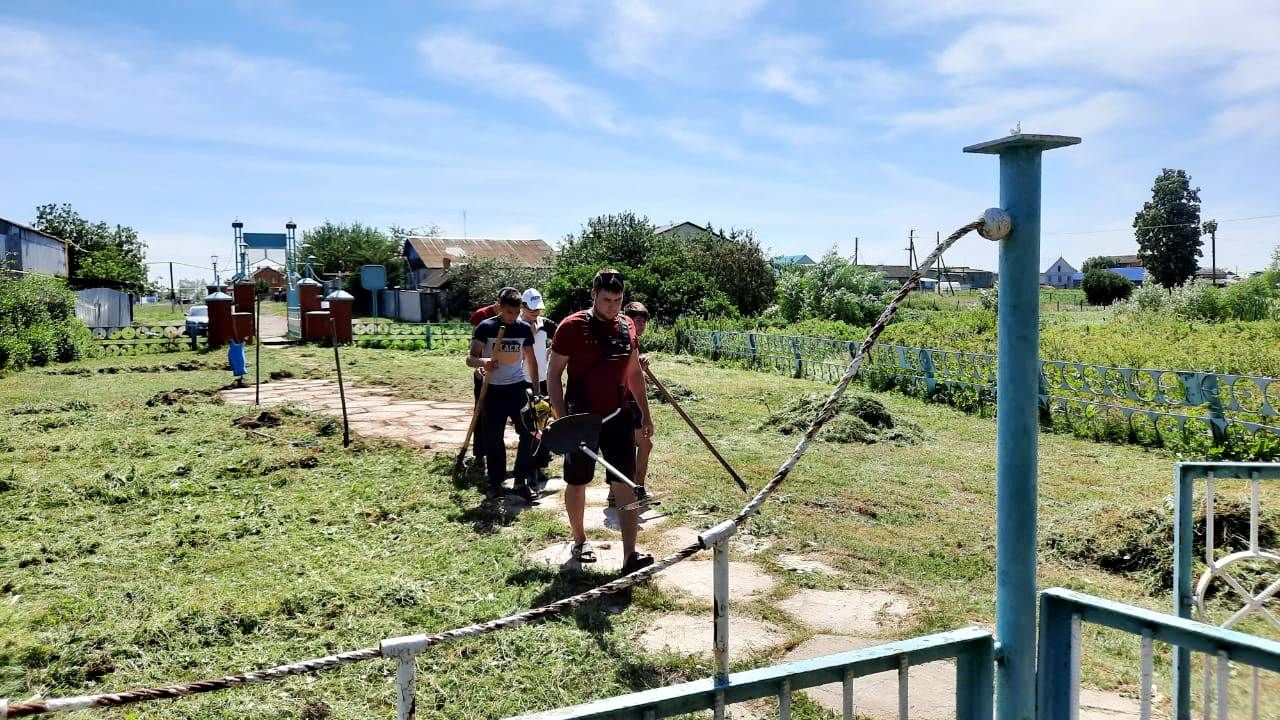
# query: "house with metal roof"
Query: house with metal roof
{"points": [[1135, 275], [430, 257], [29, 250], [803, 260], [1060, 274]]}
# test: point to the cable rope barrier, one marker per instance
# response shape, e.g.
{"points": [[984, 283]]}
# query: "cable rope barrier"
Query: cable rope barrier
{"points": [[994, 224]]}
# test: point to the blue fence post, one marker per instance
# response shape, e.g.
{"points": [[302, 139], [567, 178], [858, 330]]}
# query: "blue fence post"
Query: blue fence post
{"points": [[1183, 529], [751, 343], [1055, 690], [429, 342], [1217, 417], [974, 681], [1017, 399], [926, 366], [798, 364]]}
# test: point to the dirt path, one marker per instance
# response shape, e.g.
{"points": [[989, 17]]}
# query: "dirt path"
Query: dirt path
{"points": [[438, 425]]}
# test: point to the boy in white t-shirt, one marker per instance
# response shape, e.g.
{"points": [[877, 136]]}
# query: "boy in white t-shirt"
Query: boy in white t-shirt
{"points": [[544, 329]]}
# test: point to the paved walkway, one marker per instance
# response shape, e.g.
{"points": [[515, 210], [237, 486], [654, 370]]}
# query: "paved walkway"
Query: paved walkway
{"points": [[437, 425], [836, 620]]}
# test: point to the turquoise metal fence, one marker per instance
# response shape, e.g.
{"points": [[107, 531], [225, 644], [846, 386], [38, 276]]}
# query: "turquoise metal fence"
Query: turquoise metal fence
{"points": [[409, 336], [1063, 612], [971, 648], [144, 339], [1190, 598], [1160, 402]]}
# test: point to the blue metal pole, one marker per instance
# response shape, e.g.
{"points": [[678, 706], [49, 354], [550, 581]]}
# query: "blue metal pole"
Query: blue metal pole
{"points": [[1017, 395], [1183, 528]]}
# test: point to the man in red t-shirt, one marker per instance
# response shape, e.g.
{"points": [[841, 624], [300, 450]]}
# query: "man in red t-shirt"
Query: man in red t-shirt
{"points": [[598, 348], [477, 378]]}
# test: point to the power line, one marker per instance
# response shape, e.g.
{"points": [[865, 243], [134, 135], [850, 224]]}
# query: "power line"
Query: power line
{"points": [[1129, 229]]}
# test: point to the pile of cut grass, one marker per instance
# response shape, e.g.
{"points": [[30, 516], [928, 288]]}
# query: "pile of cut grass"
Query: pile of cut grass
{"points": [[858, 419]]}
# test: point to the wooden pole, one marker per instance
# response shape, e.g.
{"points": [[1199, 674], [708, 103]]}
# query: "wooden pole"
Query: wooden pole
{"points": [[475, 414], [693, 426], [342, 393]]}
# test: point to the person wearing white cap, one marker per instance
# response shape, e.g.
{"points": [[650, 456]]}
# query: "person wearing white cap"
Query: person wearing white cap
{"points": [[531, 306]]}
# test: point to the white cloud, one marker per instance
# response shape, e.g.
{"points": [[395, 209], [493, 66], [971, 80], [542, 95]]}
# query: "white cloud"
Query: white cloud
{"points": [[801, 68], [1148, 43], [667, 38], [1257, 121], [463, 58], [286, 15]]}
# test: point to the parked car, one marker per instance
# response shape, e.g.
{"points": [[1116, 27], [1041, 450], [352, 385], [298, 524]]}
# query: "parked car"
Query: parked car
{"points": [[198, 320]]}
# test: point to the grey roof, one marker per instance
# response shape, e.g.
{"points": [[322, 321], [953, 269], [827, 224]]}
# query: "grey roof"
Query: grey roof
{"points": [[37, 231]]}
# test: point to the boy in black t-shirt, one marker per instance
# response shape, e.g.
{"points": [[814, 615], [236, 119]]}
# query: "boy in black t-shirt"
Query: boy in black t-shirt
{"points": [[504, 365]]}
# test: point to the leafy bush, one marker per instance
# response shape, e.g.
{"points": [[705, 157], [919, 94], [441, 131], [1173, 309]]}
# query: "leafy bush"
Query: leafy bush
{"points": [[476, 283], [1103, 287], [1253, 299], [834, 289], [38, 323]]}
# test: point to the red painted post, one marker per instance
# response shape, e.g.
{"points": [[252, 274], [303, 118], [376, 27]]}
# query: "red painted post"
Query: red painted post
{"points": [[221, 320], [340, 302]]}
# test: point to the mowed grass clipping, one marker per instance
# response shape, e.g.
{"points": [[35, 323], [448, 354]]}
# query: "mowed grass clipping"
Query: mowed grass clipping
{"points": [[145, 545]]}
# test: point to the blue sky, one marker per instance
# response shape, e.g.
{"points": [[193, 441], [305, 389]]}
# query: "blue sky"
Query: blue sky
{"points": [[808, 123]]}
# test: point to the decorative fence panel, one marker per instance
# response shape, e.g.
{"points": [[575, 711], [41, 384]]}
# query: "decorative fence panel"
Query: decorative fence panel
{"points": [[1140, 404], [1239, 576], [144, 339], [410, 336]]}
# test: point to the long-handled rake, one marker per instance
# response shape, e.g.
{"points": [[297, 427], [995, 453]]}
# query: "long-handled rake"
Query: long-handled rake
{"points": [[671, 400], [582, 432]]}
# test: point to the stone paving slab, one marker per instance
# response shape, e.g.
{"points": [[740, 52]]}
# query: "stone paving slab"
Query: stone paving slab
{"points": [[930, 687], [854, 612], [692, 634], [693, 577], [608, 554], [801, 564]]}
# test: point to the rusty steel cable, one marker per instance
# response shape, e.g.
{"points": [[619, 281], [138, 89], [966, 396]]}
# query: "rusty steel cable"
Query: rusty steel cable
{"points": [[38, 707]]}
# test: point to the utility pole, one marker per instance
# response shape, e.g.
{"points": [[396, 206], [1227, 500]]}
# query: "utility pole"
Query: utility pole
{"points": [[937, 239], [911, 249], [855, 249], [1211, 227], [173, 296]]}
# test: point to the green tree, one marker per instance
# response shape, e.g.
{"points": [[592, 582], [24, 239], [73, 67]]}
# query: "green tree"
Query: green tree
{"points": [[737, 267], [99, 254], [1097, 262], [1168, 229], [1275, 260], [672, 275], [342, 248], [1103, 287]]}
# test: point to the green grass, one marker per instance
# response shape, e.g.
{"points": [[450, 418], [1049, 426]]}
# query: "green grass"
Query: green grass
{"points": [[144, 545], [159, 312]]}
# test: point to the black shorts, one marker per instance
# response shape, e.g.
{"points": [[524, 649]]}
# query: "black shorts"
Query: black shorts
{"points": [[617, 447], [637, 418]]}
